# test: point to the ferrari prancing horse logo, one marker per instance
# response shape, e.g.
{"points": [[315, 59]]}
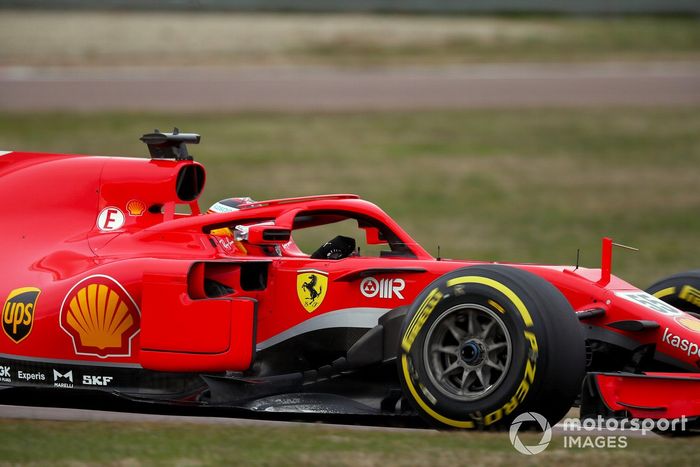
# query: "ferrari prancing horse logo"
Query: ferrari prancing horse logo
{"points": [[312, 286]]}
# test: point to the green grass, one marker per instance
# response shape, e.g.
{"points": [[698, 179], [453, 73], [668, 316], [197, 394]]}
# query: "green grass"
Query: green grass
{"points": [[503, 185], [186, 39], [98, 443]]}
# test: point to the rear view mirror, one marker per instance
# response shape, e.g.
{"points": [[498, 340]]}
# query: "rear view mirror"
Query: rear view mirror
{"points": [[268, 235], [374, 236]]}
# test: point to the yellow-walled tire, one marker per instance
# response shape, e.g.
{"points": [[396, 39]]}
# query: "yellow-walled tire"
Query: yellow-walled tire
{"points": [[483, 344], [680, 290]]}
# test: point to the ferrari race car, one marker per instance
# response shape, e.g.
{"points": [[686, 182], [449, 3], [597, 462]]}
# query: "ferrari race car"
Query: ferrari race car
{"points": [[114, 280]]}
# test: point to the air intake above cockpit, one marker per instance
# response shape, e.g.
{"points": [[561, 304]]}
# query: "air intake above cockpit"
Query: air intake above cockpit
{"points": [[170, 145]]}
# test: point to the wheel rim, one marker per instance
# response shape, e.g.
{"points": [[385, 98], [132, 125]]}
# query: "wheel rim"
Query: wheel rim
{"points": [[468, 352]]}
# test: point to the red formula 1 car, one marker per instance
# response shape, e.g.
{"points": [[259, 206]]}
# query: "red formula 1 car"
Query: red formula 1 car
{"points": [[107, 286]]}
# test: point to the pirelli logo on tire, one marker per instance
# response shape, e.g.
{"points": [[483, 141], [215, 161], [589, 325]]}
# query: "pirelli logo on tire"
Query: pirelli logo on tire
{"points": [[416, 324]]}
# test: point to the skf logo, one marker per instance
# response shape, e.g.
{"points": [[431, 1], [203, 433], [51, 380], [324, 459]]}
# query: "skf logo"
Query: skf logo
{"points": [[64, 380], [312, 286], [18, 313], [5, 374], [385, 288], [89, 380], [101, 317], [110, 218]]}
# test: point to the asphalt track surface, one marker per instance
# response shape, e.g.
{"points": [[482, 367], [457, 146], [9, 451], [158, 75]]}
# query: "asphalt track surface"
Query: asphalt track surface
{"points": [[71, 414], [40, 405], [17, 412], [37, 404], [337, 89]]}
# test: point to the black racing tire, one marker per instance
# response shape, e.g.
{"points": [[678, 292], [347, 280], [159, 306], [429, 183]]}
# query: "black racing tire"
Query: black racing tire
{"points": [[541, 372], [680, 290]]}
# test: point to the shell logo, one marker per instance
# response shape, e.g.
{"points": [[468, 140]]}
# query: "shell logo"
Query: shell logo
{"points": [[101, 317], [689, 322], [136, 207]]}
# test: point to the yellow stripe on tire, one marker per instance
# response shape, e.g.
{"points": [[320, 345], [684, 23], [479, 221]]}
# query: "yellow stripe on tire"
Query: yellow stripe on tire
{"points": [[665, 292], [426, 407], [519, 305]]}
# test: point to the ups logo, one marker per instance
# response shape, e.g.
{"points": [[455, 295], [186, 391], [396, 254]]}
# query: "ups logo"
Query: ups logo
{"points": [[18, 313]]}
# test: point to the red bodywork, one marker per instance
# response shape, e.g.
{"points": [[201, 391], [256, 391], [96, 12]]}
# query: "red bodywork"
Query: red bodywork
{"points": [[653, 395], [120, 274]]}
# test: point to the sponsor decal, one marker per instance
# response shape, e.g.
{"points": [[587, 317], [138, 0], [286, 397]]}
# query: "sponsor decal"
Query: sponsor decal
{"points": [[690, 295], [38, 376], [18, 313], [63, 380], [227, 243], [110, 218], [90, 380], [5, 374], [384, 288], [100, 317], [684, 345], [689, 322], [651, 302], [312, 286], [136, 207]]}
